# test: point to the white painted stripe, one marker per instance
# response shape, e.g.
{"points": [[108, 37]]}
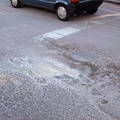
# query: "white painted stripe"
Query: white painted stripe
{"points": [[53, 35], [57, 34], [67, 31]]}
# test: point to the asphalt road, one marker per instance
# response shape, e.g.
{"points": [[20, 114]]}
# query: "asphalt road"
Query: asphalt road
{"points": [[55, 70]]}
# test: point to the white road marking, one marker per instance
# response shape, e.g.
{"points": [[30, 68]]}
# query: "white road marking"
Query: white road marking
{"points": [[57, 34]]}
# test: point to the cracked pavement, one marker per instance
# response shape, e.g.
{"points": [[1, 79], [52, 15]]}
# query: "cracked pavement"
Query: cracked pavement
{"points": [[76, 77]]}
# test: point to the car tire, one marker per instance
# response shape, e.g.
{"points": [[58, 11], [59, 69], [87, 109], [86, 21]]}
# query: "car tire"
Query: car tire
{"points": [[16, 3], [92, 11], [63, 12]]}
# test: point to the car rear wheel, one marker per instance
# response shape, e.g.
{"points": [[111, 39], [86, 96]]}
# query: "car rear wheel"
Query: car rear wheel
{"points": [[92, 11], [16, 3], [62, 12]]}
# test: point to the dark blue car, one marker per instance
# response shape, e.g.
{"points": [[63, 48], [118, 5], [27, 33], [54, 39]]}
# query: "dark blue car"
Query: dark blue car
{"points": [[63, 8]]}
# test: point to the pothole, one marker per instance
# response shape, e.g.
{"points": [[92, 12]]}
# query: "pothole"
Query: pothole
{"points": [[83, 56]]}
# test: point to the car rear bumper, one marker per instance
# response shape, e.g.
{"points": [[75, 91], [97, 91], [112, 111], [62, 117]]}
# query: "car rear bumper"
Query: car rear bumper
{"points": [[84, 6]]}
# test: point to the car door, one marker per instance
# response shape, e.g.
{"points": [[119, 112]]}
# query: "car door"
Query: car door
{"points": [[32, 2], [47, 3]]}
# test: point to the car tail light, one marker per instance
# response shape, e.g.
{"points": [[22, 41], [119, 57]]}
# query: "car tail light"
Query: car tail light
{"points": [[74, 1]]}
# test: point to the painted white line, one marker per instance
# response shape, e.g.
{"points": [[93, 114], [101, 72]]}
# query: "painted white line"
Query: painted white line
{"points": [[67, 31], [57, 34], [53, 35]]}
